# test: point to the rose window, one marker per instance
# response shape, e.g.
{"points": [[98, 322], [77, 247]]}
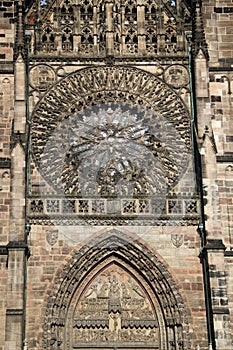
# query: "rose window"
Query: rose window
{"points": [[114, 149]]}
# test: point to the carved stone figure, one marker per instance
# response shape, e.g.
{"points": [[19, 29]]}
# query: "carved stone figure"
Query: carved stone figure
{"points": [[115, 308]]}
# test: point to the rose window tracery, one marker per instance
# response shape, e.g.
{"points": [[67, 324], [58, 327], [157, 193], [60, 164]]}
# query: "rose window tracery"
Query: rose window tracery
{"points": [[114, 149]]}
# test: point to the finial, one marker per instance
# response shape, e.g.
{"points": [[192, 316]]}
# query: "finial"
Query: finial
{"points": [[19, 45], [199, 42]]}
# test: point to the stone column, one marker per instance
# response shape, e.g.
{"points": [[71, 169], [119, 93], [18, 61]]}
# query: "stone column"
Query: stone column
{"points": [[20, 105], [17, 246], [109, 29], [141, 27], [17, 251]]}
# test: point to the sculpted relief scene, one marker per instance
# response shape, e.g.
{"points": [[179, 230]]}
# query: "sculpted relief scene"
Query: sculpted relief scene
{"points": [[113, 309]]}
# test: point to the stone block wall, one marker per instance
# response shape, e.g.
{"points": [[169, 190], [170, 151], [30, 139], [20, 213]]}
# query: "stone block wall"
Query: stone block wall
{"points": [[218, 17], [221, 110], [51, 247], [3, 293], [7, 40], [7, 35], [218, 23]]}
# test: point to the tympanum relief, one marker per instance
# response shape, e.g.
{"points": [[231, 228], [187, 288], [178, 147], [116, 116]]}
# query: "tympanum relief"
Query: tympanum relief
{"points": [[115, 309]]}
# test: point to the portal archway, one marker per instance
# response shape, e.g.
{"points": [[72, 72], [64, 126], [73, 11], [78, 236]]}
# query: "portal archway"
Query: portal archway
{"points": [[116, 294]]}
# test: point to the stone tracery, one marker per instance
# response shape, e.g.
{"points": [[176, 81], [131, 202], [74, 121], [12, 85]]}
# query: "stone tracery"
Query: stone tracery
{"points": [[134, 177], [112, 28], [124, 149], [132, 142]]}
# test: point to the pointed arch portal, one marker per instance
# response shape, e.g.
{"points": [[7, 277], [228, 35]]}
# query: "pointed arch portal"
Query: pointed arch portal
{"points": [[115, 294]]}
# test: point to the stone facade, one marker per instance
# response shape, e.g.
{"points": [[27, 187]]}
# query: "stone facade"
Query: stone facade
{"points": [[116, 174]]}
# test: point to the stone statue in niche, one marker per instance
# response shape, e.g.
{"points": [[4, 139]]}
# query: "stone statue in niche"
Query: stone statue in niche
{"points": [[115, 309]]}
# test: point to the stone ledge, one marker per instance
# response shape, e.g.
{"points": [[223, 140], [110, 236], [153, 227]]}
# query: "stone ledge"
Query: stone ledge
{"points": [[228, 253], [6, 68], [21, 245], [220, 310], [14, 312], [226, 158], [214, 244], [5, 163]]}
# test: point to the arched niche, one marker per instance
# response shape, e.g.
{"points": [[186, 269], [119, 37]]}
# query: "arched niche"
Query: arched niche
{"points": [[115, 294]]}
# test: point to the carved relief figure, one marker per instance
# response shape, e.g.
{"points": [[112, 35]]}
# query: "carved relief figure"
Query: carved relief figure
{"points": [[113, 309]]}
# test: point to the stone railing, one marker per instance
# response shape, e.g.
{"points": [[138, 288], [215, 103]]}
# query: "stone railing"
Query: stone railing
{"points": [[176, 208]]}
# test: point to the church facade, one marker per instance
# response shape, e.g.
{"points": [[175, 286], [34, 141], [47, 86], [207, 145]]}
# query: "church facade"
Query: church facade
{"points": [[116, 174]]}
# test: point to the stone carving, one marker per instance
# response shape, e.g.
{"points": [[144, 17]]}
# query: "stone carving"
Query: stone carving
{"points": [[114, 150], [90, 28], [42, 77], [52, 236], [117, 220], [177, 240], [123, 206], [5, 97], [176, 76], [4, 180], [96, 294], [115, 308]]}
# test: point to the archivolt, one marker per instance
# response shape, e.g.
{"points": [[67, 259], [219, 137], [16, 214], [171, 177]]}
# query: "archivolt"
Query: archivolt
{"points": [[116, 247]]}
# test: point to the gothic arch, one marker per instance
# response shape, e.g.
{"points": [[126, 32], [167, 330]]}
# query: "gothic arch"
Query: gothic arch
{"points": [[136, 268]]}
